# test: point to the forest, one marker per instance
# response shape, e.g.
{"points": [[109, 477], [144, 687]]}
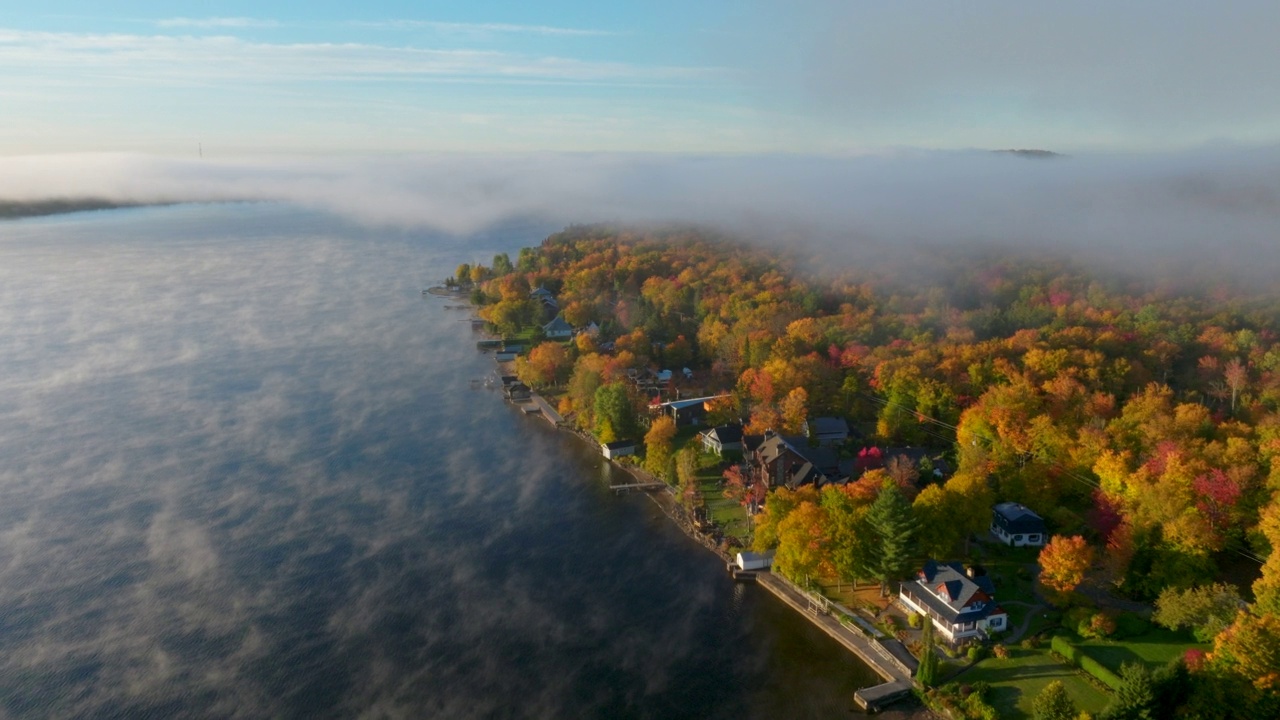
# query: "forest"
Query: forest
{"points": [[1137, 414]]}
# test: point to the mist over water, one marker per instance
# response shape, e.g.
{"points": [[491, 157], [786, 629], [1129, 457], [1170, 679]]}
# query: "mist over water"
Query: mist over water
{"points": [[243, 474]]}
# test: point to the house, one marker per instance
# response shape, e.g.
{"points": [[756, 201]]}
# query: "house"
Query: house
{"points": [[724, 437], [592, 329], [828, 430], [688, 412], [557, 329], [615, 450], [517, 391], [961, 601], [790, 462], [1014, 524]]}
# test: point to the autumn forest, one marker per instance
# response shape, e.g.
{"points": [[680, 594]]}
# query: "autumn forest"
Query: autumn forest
{"points": [[1139, 417]]}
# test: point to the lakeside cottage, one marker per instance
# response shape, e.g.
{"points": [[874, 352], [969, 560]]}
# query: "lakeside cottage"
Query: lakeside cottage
{"points": [[1015, 525], [961, 601]]}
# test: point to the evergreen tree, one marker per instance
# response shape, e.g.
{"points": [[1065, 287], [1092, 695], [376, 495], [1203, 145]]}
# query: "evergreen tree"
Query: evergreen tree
{"points": [[1053, 703], [1135, 699], [894, 527], [927, 672]]}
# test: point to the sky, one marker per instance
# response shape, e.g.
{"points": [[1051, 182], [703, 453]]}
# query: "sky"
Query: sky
{"points": [[237, 79]]}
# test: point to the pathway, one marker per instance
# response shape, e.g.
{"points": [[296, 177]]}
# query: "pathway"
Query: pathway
{"points": [[1016, 635]]}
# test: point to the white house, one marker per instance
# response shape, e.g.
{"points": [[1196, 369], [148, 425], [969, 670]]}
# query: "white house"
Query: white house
{"points": [[960, 601], [1014, 524]]}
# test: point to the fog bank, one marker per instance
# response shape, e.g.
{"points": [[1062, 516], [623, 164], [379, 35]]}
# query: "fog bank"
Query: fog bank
{"points": [[1219, 205]]}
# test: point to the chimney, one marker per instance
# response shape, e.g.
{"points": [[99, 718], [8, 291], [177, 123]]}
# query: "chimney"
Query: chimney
{"points": [[969, 571]]}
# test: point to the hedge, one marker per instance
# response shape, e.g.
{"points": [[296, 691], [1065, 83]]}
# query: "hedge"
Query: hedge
{"points": [[1077, 657]]}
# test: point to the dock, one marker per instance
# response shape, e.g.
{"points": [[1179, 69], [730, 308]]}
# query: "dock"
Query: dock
{"points": [[895, 673], [645, 486], [874, 698], [548, 412]]}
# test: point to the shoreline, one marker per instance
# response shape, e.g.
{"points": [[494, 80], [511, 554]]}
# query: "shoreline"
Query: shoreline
{"points": [[878, 699]]}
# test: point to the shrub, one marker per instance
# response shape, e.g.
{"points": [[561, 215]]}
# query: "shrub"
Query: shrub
{"points": [[1099, 625], [976, 653], [1031, 642], [1077, 657], [1001, 651], [914, 620]]}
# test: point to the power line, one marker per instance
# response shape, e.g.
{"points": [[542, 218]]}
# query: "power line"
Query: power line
{"points": [[1052, 463]]}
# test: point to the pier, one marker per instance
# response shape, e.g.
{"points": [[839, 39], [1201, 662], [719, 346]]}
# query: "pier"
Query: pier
{"points": [[894, 671]]}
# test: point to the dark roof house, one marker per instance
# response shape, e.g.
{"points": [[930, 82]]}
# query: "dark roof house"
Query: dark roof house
{"points": [[557, 328], [1015, 524], [960, 600]]}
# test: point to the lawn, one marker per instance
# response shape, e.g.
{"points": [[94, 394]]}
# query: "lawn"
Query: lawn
{"points": [[1156, 647], [727, 513], [1016, 681]]}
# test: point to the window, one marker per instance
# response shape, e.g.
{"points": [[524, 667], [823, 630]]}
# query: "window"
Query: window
{"points": [[1033, 538]]}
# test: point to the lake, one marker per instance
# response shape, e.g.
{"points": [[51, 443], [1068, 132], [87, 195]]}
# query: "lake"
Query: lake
{"points": [[244, 473]]}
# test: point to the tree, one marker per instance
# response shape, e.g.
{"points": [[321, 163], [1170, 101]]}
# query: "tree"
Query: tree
{"points": [[940, 532], [794, 411], [848, 532], [463, 273], [894, 528], [657, 447], [687, 474], [971, 498], [1250, 647], [781, 502], [1135, 699], [547, 364], [613, 412], [502, 264], [1064, 561], [802, 543], [1204, 610], [927, 671], [1053, 703]]}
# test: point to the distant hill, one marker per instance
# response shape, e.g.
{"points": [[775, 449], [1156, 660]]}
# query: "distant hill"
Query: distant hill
{"points": [[1031, 153], [12, 209]]}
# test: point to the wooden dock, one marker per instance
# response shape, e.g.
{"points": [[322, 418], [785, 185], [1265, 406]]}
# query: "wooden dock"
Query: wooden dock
{"points": [[645, 486], [874, 698]]}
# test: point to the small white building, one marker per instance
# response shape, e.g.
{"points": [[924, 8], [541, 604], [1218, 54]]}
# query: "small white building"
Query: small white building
{"points": [[1015, 525], [615, 450]]}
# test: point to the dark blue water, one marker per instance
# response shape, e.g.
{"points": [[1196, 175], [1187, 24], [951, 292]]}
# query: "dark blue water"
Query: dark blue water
{"points": [[243, 473]]}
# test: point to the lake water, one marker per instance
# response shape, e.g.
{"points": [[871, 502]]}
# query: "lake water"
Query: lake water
{"points": [[243, 473]]}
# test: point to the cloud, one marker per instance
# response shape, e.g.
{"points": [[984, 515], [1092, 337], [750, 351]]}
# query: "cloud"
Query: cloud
{"points": [[486, 28], [216, 22], [117, 58]]}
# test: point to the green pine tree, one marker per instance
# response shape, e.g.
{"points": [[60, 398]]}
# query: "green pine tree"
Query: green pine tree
{"points": [[894, 526], [927, 672], [1135, 699]]}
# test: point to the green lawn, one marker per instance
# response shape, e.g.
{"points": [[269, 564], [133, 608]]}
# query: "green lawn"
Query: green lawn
{"points": [[1156, 647], [1016, 681], [726, 513]]}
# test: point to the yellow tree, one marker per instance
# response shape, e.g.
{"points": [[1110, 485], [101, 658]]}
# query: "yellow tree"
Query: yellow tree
{"points": [[794, 411], [937, 511], [802, 543], [657, 447]]}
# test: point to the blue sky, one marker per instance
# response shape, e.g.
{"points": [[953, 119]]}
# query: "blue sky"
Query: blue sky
{"points": [[751, 76]]}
